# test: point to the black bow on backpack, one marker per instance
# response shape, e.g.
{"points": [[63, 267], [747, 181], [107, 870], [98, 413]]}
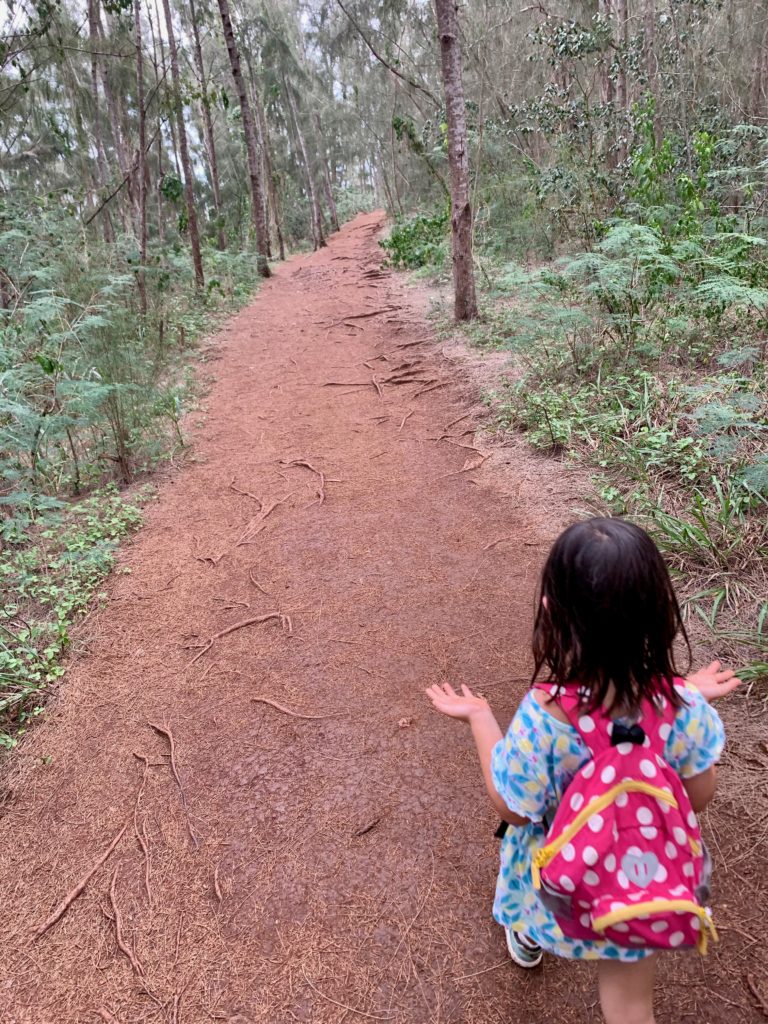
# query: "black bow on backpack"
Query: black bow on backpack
{"points": [[627, 734]]}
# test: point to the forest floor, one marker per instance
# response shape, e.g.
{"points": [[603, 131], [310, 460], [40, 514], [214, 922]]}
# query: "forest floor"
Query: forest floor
{"points": [[298, 836]]}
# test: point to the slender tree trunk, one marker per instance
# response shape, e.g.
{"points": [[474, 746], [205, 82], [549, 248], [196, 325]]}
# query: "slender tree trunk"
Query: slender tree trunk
{"points": [[186, 164], [123, 162], [652, 65], [143, 176], [266, 194], [158, 193], [607, 89], [327, 184], [318, 238], [210, 143], [622, 82], [465, 301], [101, 164], [274, 199], [249, 131]]}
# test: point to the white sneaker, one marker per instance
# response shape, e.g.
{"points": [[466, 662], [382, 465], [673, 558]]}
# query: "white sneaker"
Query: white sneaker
{"points": [[524, 951]]}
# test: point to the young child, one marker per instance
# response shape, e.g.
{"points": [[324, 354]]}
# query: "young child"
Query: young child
{"points": [[604, 632]]}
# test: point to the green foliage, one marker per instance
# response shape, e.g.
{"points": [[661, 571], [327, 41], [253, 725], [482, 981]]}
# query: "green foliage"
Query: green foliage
{"points": [[420, 241], [48, 580]]}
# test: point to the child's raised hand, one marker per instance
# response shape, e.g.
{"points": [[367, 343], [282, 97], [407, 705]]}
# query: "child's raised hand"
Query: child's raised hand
{"points": [[462, 705], [714, 681]]}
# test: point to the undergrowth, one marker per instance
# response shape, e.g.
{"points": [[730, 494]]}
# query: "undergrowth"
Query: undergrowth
{"points": [[48, 583]]}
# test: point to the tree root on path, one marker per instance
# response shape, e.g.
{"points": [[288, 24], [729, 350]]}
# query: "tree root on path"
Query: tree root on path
{"points": [[141, 833], [285, 622], [172, 743], [255, 526], [70, 898], [118, 922], [308, 465], [246, 494], [295, 714]]}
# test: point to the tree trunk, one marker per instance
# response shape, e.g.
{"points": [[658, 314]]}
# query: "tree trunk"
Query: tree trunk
{"points": [[141, 278], [274, 199], [101, 164], [327, 184], [318, 238], [607, 90], [249, 131], [465, 301], [652, 65], [186, 163], [622, 83], [123, 162], [210, 144]]}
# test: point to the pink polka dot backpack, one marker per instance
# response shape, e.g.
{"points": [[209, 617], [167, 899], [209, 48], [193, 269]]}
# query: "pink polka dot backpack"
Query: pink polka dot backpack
{"points": [[624, 860]]}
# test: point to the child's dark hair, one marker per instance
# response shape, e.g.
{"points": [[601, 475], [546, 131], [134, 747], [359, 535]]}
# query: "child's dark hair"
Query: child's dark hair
{"points": [[608, 615]]}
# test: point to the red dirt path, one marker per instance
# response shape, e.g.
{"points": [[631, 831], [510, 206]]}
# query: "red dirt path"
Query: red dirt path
{"points": [[331, 869]]}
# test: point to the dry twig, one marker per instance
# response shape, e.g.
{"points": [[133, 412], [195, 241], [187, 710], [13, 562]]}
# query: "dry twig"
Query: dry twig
{"points": [[404, 420], [752, 985], [70, 898]]}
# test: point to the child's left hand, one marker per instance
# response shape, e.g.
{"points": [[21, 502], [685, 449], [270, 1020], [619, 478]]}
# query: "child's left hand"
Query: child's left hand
{"points": [[714, 681], [464, 705]]}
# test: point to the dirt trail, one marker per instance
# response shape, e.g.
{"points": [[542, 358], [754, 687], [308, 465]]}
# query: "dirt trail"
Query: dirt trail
{"points": [[323, 853]]}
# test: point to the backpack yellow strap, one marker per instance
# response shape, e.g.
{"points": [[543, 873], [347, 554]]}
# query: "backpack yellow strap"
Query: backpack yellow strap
{"points": [[543, 856], [632, 910]]}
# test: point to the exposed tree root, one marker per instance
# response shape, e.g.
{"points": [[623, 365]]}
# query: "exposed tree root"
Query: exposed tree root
{"points": [[364, 316], [172, 744], [255, 526], [246, 494], [124, 948], [258, 586], [70, 898], [308, 465], [295, 714], [214, 560], [378, 387], [493, 543], [284, 621], [432, 387], [141, 833], [404, 419]]}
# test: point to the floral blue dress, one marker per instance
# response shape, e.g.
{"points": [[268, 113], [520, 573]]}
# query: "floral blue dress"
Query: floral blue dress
{"points": [[532, 767]]}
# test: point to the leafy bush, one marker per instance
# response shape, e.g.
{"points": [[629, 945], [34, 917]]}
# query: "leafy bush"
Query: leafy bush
{"points": [[418, 242]]}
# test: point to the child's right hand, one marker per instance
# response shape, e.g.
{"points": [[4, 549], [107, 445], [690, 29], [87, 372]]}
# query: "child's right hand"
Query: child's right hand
{"points": [[714, 681], [464, 705]]}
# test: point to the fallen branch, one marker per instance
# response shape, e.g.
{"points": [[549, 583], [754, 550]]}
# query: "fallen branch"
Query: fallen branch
{"points": [[295, 714], [172, 743], [345, 1006], [118, 921], [70, 898], [284, 620]]}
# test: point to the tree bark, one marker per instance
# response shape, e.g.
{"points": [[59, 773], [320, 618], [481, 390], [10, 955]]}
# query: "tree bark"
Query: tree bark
{"points": [[186, 163], [101, 164], [210, 143], [652, 65], [327, 184], [465, 300], [141, 277], [622, 83], [249, 131], [274, 199], [318, 238]]}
